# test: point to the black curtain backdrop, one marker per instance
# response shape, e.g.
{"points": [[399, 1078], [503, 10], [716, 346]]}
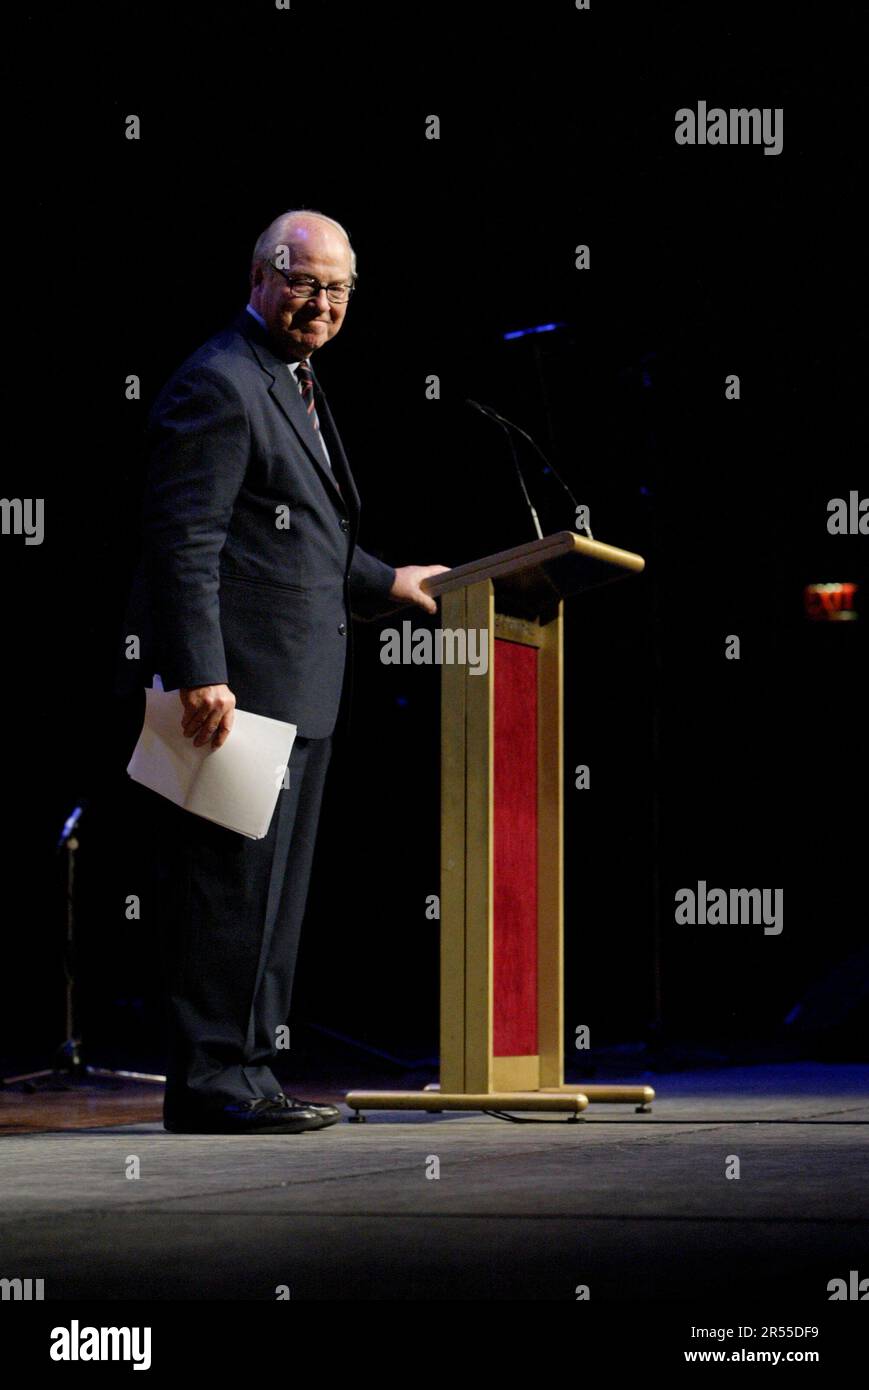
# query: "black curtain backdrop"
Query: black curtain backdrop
{"points": [[556, 129]]}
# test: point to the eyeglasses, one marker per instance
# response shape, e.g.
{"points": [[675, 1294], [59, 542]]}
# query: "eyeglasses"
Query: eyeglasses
{"points": [[305, 286]]}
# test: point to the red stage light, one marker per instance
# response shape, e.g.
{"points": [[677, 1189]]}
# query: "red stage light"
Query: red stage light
{"points": [[833, 603]]}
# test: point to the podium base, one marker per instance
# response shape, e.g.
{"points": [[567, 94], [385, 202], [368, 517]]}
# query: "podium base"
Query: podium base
{"points": [[639, 1096], [572, 1099], [573, 1102]]}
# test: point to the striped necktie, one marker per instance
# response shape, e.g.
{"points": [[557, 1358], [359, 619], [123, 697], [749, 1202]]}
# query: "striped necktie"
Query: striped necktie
{"points": [[305, 378]]}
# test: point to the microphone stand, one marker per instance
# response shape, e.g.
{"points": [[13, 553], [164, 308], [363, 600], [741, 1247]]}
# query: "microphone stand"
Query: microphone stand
{"points": [[70, 1069]]}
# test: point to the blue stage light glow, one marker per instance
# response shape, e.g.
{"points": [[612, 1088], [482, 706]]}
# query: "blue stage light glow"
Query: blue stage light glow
{"points": [[540, 328]]}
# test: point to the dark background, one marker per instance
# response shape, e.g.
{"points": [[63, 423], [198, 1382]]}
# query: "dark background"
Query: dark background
{"points": [[556, 129]]}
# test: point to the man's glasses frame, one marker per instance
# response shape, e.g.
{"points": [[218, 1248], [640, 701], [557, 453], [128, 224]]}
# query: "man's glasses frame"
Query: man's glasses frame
{"points": [[336, 294]]}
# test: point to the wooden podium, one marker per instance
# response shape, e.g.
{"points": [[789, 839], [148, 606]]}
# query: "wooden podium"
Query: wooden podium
{"points": [[502, 842]]}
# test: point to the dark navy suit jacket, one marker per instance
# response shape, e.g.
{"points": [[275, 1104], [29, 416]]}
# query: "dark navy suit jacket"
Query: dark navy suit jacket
{"points": [[227, 592]]}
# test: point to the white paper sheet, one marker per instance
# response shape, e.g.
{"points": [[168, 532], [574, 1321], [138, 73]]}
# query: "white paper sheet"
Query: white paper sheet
{"points": [[235, 786]]}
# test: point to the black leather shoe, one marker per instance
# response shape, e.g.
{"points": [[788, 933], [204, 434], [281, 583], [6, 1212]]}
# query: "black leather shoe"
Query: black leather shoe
{"points": [[326, 1114], [245, 1117]]}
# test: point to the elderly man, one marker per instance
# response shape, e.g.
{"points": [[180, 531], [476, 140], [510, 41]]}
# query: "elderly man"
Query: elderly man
{"points": [[250, 571]]}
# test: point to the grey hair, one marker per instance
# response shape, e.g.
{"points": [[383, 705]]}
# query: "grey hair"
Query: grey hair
{"points": [[276, 231]]}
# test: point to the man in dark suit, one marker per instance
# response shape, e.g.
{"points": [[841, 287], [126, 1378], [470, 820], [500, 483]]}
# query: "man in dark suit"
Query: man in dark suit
{"points": [[250, 572]]}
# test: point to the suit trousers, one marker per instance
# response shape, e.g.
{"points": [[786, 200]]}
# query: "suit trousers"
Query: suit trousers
{"points": [[230, 914]]}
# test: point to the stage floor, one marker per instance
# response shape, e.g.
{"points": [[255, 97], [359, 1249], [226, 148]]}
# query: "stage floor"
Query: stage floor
{"points": [[634, 1206]]}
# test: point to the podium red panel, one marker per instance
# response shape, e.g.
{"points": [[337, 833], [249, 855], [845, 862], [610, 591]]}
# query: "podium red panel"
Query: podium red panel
{"points": [[514, 964]]}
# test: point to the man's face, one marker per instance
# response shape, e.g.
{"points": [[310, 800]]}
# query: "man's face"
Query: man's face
{"points": [[299, 326]]}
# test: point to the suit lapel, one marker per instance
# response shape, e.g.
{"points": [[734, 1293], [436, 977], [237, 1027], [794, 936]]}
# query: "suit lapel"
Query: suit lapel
{"points": [[286, 394], [340, 466]]}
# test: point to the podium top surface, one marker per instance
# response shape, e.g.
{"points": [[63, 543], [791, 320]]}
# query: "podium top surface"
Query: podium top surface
{"points": [[529, 578]]}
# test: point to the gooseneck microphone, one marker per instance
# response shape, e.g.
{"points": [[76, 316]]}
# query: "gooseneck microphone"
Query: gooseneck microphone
{"points": [[493, 415], [508, 426]]}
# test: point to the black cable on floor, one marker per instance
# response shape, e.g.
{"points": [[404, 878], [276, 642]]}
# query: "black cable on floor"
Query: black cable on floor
{"points": [[526, 1120]]}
